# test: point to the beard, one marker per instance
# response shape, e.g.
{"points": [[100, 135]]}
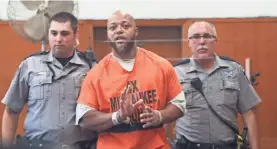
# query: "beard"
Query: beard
{"points": [[123, 48]]}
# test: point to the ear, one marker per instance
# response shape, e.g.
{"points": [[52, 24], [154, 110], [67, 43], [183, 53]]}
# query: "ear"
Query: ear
{"points": [[136, 31], [77, 33], [188, 41], [76, 36]]}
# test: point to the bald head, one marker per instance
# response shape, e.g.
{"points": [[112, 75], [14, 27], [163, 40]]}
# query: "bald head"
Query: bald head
{"points": [[122, 32], [119, 15], [201, 24]]}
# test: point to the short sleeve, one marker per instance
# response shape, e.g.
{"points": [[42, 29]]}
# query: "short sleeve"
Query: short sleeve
{"points": [[173, 85], [17, 94], [248, 97], [88, 94]]}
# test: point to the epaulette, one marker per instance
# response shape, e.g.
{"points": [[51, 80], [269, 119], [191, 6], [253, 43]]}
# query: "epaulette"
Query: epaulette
{"points": [[38, 53], [228, 59], [183, 61], [88, 57]]}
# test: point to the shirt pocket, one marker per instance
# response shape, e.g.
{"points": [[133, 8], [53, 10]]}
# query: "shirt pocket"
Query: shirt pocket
{"points": [[189, 90], [78, 81], [40, 86], [230, 89]]}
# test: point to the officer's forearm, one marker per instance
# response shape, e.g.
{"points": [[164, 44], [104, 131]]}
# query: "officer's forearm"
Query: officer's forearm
{"points": [[97, 121], [170, 113], [251, 123], [9, 126]]}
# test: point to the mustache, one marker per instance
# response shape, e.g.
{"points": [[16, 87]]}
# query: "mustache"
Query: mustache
{"points": [[59, 45], [202, 47]]}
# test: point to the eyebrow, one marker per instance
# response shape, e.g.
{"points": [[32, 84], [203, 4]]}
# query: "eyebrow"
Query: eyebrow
{"points": [[124, 21], [52, 30]]}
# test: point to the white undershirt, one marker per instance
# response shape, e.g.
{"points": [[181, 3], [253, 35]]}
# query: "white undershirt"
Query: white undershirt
{"points": [[128, 65]]}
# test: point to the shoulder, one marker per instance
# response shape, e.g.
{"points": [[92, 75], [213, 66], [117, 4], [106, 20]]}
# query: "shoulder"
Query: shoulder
{"points": [[32, 59], [182, 62], [158, 61], [227, 59], [232, 62], [98, 69], [155, 57], [87, 55], [37, 54], [235, 66]]}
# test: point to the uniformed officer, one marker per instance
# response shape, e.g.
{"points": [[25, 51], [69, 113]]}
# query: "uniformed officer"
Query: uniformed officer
{"points": [[225, 87], [49, 84]]}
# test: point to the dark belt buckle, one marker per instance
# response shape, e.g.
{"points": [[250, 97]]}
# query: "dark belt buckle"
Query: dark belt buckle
{"points": [[65, 146]]}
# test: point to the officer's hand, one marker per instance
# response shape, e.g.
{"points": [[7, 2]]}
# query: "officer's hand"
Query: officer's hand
{"points": [[150, 117], [127, 108]]}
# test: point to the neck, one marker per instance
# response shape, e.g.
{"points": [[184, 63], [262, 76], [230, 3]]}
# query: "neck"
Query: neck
{"points": [[206, 64], [126, 55], [63, 53]]}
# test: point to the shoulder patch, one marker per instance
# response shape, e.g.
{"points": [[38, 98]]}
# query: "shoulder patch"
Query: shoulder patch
{"points": [[184, 61], [38, 53], [88, 57], [229, 59]]}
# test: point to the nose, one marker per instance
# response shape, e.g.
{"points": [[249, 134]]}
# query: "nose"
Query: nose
{"points": [[119, 29], [201, 40], [58, 38]]}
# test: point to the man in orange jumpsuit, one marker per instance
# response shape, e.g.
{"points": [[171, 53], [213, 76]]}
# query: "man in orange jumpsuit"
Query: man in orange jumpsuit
{"points": [[130, 94]]}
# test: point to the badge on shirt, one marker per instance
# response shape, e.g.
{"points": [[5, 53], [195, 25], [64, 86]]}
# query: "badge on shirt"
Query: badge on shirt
{"points": [[228, 72]]}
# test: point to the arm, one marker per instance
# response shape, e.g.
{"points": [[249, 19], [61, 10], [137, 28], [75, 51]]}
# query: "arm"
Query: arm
{"points": [[174, 110], [14, 100], [250, 120], [170, 130], [180, 102], [170, 113], [97, 121], [247, 102], [169, 126], [9, 126]]}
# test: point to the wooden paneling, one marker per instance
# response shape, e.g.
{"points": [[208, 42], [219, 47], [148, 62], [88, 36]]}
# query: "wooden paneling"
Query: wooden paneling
{"points": [[238, 38], [164, 41], [101, 47]]}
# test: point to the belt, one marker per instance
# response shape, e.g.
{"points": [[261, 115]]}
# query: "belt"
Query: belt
{"points": [[121, 128], [192, 145], [184, 143], [25, 143]]}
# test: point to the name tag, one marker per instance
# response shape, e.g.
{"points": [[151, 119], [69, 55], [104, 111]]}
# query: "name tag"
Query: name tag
{"points": [[42, 73]]}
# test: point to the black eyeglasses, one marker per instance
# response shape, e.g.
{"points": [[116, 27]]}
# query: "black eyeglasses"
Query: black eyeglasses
{"points": [[204, 36]]}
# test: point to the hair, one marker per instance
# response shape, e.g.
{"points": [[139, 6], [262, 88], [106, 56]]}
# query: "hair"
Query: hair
{"points": [[64, 17], [210, 24]]}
